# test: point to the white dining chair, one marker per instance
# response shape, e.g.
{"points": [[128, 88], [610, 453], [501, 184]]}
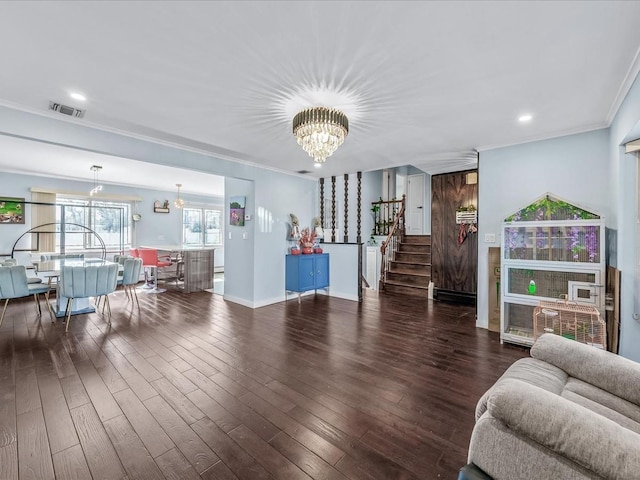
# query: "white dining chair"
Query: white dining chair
{"points": [[130, 277], [85, 282], [14, 284]]}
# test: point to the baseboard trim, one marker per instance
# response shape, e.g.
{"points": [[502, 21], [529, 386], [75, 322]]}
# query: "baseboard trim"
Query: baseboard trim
{"points": [[241, 301], [290, 296], [465, 298], [345, 296]]}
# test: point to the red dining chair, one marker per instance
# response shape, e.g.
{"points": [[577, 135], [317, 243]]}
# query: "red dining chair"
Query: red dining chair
{"points": [[151, 263]]}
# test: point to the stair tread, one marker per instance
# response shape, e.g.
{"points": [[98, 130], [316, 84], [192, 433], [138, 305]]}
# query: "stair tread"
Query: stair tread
{"points": [[402, 284], [409, 263], [414, 273]]}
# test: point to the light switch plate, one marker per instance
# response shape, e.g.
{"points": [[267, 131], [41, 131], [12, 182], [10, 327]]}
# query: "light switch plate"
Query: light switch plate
{"points": [[489, 238], [245, 235]]}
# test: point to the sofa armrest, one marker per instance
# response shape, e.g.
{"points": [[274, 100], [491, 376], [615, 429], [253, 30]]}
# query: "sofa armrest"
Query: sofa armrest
{"points": [[569, 430], [605, 370]]}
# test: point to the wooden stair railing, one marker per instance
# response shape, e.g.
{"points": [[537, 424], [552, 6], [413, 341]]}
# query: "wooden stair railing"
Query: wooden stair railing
{"points": [[391, 243]]}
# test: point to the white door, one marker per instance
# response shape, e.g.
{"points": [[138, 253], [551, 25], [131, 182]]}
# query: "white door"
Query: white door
{"points": [[415, 205]]}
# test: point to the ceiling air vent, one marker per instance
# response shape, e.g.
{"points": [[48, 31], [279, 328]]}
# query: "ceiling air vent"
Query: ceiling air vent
{"points": [[66, 109], [303, 172]]}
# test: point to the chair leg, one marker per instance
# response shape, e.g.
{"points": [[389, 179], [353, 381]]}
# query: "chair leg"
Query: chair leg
{"points": [[135, 293], [4, 310], [154, 276], [66, 308], [50, 309], [36, 298], [69, 308], [47, 299], [106, 297], [48, 304]]}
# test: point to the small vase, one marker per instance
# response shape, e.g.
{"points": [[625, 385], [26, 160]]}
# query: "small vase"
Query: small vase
{"points": [[295, 251], [307, 250]]}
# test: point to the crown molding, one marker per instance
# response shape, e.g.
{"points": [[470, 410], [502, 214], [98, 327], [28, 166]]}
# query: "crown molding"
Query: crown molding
{"points": [[625, 86]]}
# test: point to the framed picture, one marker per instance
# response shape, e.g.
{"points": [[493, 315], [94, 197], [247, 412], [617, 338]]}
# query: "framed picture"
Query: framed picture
{"points": [[236, 211], [11, 210]]}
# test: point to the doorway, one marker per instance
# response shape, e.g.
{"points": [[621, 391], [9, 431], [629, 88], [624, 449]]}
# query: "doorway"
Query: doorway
{"points": [[415, 204]]}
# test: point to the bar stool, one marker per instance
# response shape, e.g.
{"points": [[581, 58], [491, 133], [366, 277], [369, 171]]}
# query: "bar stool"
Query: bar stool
{"points": [[151, 262]]}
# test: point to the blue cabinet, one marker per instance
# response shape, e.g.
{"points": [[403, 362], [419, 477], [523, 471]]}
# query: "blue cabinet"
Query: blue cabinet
{"points": [[307, 272]]}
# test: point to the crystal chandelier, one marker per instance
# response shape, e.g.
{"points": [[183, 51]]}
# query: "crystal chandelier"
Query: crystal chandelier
{"points": [[96, 185], [178, 202], [320, 131]]}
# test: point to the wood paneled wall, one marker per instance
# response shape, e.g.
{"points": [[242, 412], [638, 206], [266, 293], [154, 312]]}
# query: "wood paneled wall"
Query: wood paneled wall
{"points": [[453, 267]]}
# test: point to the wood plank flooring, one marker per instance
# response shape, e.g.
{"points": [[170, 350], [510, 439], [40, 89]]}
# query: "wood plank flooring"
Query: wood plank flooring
{"points": [[189, 386]]}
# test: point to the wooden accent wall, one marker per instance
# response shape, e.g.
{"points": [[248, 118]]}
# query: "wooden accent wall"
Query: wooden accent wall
{"points": [[454, 268]]}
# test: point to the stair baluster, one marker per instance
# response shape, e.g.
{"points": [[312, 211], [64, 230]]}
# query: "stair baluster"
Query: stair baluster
{"points": [[390, 244]]}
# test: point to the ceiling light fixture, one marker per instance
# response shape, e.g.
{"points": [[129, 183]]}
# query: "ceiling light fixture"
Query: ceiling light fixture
{"points": [[524, 118], [78, 96], [178, 202], [320, 131], [96, 185]]}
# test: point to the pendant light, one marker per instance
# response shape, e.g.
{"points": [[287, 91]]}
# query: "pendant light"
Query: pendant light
{"points": [[178, 202], [96, 185]]}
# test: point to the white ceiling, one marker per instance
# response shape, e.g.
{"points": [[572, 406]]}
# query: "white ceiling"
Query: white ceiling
{"points": [[423, 83]]}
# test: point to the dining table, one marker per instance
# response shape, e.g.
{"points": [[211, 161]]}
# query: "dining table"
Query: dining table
{"points": [[49, 272]]}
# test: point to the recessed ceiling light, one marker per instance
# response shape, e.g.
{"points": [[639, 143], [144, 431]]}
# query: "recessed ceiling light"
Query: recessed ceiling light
{"points": [[524, 118], [317, 165], [78, 96]]}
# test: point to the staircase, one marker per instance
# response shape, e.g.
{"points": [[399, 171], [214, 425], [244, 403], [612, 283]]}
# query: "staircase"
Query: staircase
{"points": [[410, 270]]}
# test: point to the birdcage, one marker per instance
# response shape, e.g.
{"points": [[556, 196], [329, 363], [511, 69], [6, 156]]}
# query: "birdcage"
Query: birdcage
{"points": [[572, 320]]}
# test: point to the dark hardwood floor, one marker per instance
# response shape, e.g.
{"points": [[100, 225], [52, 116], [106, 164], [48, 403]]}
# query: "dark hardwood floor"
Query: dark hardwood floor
{"points": [[189, 386]]}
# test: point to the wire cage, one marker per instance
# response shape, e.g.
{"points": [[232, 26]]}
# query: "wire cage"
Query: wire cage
{"points": [[581, 323]]}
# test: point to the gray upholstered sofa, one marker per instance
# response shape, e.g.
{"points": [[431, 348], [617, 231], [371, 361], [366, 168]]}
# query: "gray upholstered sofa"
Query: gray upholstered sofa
{"points": [[570, 411]]}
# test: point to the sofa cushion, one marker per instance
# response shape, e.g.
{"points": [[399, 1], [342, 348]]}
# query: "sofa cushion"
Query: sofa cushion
{"points": [[566, 428], [532, 371], [605, 370], [624, 413], [506, 455]]}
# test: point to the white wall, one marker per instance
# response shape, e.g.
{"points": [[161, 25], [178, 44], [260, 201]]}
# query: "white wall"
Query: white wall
{"points": [[153, 229], [343, 270], [590, 169], [275, 200], [239, 245], [624, 189], [274, 193], [573, 167]]}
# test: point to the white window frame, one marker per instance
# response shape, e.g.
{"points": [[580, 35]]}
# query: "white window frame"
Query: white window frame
{"points": [[203, 209], [70, 200]]}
